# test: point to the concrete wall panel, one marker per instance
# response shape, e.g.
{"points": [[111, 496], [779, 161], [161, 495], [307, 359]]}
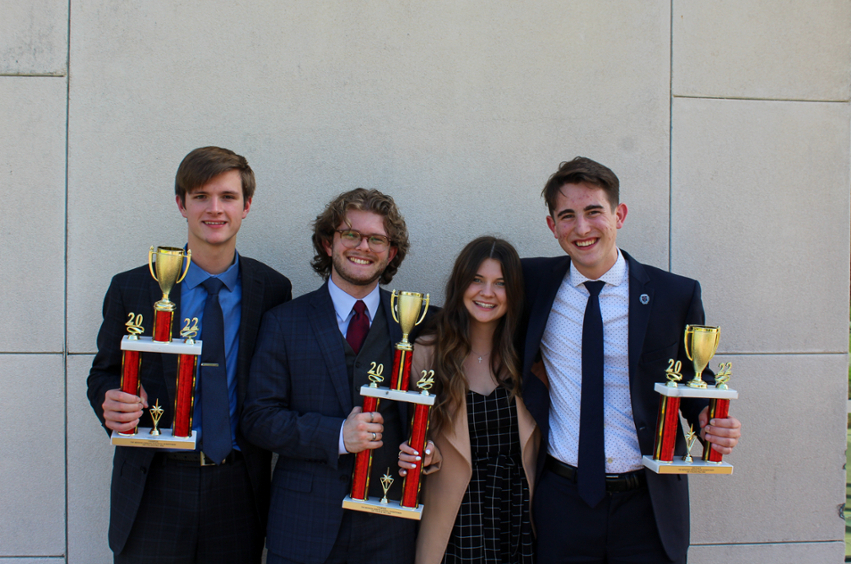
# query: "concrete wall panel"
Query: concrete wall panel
{"points": [[89, 473], [789, 476], [760, 199], [775, 553], [32, 470], [458, 112], [32, 161], [34, 37], [762, 49], [17, 560]]}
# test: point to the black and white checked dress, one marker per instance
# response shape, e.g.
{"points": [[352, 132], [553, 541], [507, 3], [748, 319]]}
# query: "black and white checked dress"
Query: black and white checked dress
{"points": [[493, 524]]}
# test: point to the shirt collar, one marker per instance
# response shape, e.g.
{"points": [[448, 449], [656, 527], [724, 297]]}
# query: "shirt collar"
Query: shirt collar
{"points": [[197, 275], [615, 276], [343, 302]]}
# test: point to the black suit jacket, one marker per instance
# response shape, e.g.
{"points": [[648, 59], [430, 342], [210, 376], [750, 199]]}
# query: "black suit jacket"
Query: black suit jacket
{"points": [[136, 291], [298, 398], [655, 335]]}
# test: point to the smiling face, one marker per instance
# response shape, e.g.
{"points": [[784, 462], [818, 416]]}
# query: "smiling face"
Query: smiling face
{"points": [[485, 298], [586, 227], [215, 212], [356, 271]]}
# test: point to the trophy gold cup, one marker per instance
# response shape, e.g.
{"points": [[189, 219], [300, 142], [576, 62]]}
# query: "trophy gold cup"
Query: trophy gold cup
{"points": [[701, 342], [169, 265], [407, 308]]}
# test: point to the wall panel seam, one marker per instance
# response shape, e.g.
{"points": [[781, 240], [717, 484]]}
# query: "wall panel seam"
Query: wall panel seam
{"points": [[754, 99]]}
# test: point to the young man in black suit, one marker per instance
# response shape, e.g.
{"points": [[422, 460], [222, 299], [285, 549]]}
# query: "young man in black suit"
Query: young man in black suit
{"points": [[207, 505], [603, 326]]}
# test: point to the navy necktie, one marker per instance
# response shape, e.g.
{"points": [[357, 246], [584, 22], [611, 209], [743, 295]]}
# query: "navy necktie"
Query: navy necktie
{"points": [[591, 476], [216, 441], [358, 327]]}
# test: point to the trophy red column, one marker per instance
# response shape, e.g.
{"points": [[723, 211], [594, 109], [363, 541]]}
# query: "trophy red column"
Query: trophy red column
{"points": [[666, 429], [363, 459], [162, 325], [419, 429], [719, 408], [184, 398], [401, 369]]}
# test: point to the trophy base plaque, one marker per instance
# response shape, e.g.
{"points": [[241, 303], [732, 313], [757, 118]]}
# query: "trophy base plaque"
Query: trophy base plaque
{"points": [[165, 439], [680, 467], [391, 508]]}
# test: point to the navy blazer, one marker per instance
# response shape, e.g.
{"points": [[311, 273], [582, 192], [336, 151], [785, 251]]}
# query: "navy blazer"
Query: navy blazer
{"points": [[136, 291], [298, 397], [656, 327]]}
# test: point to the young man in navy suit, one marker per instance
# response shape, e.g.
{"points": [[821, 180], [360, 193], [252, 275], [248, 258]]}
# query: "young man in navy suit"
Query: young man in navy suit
{"points": [[601, 328], [304, 400], [207, 505]]}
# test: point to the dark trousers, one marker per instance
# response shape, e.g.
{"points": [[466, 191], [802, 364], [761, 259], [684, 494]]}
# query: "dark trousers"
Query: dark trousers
{"points": [[621, 529], [195, 514], [365, 538]]}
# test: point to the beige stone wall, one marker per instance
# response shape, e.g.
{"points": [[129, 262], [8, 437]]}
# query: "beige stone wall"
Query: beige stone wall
{"points": [[727, 122]]}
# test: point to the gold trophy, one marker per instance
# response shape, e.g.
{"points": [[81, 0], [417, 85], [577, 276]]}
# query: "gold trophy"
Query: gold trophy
{"points": [[409, 309], [167, 274], [701, 343], [169, 271]]}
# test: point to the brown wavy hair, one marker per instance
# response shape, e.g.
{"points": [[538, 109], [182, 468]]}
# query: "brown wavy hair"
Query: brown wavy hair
{"points": [[449, 330], [205, 163], [359, 199]]}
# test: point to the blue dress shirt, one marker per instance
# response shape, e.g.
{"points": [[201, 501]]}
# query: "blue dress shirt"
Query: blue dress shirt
{"points": [[193, 296]]}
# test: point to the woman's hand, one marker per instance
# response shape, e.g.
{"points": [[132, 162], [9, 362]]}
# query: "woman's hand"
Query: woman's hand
{"points": [[408, 457]]}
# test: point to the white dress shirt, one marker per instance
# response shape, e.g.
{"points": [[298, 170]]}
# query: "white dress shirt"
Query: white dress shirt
{"points": [[561, 349]]}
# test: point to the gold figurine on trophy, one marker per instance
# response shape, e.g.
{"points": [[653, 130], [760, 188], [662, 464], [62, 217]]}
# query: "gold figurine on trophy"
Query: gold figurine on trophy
{"points": [[386, 481], [156, 414]]}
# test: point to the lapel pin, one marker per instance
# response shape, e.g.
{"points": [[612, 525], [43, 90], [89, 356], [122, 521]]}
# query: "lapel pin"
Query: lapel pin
{"points": [[644, 298]]}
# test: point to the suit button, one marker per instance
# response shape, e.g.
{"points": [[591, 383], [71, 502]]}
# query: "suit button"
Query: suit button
{"points": [[344, 479], [358, 364]]}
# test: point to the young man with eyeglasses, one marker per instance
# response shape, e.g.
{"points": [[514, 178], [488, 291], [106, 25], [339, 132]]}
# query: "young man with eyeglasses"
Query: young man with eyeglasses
{"points": [[304, 399]]}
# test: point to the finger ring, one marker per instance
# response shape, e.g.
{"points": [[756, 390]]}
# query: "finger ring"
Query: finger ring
{"points": [[373, 436], [400, 454]]}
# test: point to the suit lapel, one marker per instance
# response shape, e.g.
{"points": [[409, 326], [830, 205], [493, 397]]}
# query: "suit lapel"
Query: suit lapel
{"points": [[323, 322], [640, 305], [249, 324], [546, 295]]}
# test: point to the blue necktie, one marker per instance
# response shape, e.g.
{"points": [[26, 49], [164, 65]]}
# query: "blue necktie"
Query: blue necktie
{"points": [[591, 475], [216, 441]]}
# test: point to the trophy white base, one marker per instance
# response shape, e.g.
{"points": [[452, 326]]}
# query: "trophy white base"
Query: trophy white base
{"points": [[391, 508], [683, 391], [397, 395], [677, 466], [143, 438], [148, 344]]}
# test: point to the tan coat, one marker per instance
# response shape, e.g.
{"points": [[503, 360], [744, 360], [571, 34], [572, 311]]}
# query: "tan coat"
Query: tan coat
{"points": [[444, 489]]}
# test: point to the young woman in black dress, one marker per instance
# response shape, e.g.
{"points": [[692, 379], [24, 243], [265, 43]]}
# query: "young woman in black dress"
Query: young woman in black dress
{"points": [[476, 496]]}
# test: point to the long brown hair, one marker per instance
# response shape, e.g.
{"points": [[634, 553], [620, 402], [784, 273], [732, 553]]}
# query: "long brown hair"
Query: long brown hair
{"points": [[450, 328]]}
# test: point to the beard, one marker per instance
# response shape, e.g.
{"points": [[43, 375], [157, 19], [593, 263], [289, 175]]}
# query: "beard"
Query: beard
{"points": [[341, 267]]}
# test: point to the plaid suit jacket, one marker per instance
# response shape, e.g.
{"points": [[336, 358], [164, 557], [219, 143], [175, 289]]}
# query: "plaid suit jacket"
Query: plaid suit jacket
{"points": [[136, 291], [299, 394]]}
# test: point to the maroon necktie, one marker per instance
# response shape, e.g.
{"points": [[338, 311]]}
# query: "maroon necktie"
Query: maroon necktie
{"points": [[358, 327]]}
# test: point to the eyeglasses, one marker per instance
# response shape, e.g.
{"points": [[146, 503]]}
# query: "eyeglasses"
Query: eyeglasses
{"points": [[352, 239]]}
